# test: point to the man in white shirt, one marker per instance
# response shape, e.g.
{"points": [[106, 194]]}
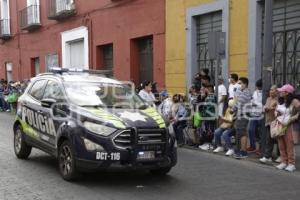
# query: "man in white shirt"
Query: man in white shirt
{"points": [[233, 85], [222, 93], [146, 93]]}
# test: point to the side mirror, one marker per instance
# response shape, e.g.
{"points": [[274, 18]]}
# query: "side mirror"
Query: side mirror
{"points": [[61, 110], [47, 103]]}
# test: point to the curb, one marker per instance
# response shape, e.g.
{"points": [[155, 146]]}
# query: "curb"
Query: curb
{"points": [[251, 158]]}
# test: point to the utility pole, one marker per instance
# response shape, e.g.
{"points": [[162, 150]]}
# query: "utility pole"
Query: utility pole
{"points": [[267, 60]]}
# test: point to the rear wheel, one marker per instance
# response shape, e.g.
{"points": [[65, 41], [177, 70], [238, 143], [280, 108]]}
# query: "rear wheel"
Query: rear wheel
{"points": [[161, 171], [22, 150], [66, 162]]}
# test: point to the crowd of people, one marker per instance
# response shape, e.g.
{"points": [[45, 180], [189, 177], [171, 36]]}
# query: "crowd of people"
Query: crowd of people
{"points": [[234, 121], [9, 93]]}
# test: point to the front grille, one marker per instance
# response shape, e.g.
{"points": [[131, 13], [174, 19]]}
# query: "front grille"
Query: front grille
{"points": [[151, 136], [123, 139], [126, 138]]}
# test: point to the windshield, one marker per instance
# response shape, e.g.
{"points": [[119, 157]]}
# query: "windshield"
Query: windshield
{"points": [[104, 95]]}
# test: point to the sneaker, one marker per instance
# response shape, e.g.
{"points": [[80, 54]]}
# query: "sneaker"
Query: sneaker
{"points": [[210, 147], [200, 146], [265, 160], [244, 154], [218, 149], [230, 152], [290, 168], [7, 110], [237, 156], [251, 150], [278, 160], [281, 166], [204, 147]]}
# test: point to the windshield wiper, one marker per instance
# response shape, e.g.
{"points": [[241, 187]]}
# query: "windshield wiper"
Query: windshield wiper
{"points": [[93, 106], [142, 107]]}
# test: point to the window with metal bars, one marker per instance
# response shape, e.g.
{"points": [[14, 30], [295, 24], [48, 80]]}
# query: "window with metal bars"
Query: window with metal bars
{"points": [[286, 42], [204, 24], [145, 53], [108, 61]]}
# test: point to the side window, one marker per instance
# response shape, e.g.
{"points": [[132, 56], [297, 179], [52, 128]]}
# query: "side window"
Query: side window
{"points": [[53, 91], [37, 89]]}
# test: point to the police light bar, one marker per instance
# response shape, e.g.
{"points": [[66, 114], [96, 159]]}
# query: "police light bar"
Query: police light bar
{"points": [[75, 70], [58, 70]]}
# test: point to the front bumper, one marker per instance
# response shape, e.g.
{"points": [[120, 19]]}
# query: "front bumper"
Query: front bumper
{"points": [[127, 157]]}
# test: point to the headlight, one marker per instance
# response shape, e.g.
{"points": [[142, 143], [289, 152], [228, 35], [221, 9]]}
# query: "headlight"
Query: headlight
{"points": [[99, 129], [91, 146]]}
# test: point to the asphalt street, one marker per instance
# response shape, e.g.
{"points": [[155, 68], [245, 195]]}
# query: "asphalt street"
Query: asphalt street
{"points": [[197, 176]]}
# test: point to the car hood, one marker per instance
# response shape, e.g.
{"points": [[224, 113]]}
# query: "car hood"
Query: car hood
{"points": [[126, 118]]}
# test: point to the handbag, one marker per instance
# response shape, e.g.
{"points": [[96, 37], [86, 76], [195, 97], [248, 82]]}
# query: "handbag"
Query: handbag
{"points": [[197, 120], [12, 98], [171, 129], [277, 129]]}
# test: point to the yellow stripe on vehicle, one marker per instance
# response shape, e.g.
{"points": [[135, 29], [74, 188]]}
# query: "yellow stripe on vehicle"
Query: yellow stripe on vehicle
{"points": [[160, 121], [117, 122], [155, 116], [162, 125], [27, 129]]}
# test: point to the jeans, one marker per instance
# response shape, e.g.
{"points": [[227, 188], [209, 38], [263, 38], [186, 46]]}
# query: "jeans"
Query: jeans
{"points": [[269, 144], [178, 129], [4, 105], [227, 138], [225, 134], [253, 125]]}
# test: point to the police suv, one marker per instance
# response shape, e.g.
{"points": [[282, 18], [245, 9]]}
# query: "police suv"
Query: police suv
{"points": [[90, 122]]}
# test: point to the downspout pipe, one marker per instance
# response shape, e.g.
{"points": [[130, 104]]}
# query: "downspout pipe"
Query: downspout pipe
{"points": [[267, 60]]}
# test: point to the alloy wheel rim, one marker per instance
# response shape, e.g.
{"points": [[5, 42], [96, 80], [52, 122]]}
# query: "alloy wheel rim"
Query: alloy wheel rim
{"points": [[66, 160], [18, 141]]}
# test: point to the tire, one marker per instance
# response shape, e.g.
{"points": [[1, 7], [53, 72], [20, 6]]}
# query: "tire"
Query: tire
{"points": [[161, 171], [22, 150], [66, 162]]}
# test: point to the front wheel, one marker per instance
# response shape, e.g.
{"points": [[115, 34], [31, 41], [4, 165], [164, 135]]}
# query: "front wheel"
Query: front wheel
{"points": [[161, 171], [66, 162], [22, 150]]}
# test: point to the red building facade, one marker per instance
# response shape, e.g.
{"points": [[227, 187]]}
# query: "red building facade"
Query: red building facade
{"points": [[124, 36]]}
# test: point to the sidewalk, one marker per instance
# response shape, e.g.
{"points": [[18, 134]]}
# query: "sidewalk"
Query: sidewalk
{"points": [[252, 156]]}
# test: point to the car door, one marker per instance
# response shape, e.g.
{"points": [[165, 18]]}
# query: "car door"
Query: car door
{"points": [[31, 109], [53, 114]]}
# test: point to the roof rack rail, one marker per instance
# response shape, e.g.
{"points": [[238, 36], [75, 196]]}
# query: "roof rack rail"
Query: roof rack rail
{"points": [[102, 72], [45, 74]]}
